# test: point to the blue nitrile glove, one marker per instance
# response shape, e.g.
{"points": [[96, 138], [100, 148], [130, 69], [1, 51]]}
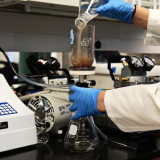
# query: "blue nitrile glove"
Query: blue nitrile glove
{"points": [[117, 9], [84, 102]]}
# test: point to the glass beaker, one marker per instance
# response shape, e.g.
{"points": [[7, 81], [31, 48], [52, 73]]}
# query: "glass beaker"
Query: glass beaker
{"points": [[82, 44], [81, 136], [87, 11]]}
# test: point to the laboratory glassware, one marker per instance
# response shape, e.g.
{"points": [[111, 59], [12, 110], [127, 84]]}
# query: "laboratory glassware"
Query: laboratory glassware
{"points": [[81, 136], [87, 11], [82, 46]]}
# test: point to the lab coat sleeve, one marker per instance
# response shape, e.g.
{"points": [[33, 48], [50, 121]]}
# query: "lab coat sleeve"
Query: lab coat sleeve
{"points": [[153, 28], [135, 108]]}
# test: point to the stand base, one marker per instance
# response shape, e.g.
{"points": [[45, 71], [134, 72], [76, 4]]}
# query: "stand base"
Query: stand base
{"points": [[82, 71]]}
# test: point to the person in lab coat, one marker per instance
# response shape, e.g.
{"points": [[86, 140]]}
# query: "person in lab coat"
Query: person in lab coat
{"points": [[135, 108]]}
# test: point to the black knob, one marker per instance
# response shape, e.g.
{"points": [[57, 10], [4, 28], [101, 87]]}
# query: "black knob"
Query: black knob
{"points": [[98, 45], [54, 63], [93, 82]]}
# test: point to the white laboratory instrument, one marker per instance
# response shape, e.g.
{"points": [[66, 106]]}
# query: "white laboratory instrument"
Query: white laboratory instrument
{"points": [[17, 122]]}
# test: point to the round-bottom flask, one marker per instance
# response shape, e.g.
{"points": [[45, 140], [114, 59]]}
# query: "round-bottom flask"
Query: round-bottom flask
{"points": [[81, 136]]}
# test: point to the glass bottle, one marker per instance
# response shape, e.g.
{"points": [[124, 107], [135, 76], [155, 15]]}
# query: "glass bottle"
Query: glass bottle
{"points": [[87, 11], [81, 136], [82, 46]]}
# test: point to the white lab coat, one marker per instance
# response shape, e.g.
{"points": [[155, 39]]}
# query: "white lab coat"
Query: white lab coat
{"points": [[137, 108]]}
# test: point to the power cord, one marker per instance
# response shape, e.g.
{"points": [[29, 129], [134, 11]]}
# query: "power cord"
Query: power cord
{"points": [[6, 56], [25, 78]]}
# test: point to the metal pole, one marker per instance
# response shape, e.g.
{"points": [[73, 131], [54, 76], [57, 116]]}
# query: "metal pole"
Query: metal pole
{"points": [[81, 79]]}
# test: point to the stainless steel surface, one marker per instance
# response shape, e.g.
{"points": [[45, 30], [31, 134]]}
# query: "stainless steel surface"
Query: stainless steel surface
{"points": [[81, 79]]}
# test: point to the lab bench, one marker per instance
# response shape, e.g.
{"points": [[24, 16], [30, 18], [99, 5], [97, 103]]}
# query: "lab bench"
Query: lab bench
{"points": [[143, 147]]}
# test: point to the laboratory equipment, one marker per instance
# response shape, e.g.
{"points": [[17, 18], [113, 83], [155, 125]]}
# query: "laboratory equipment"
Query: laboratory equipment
{"points": [[51, 110], [81, 136], [17, 122], [133, 72], [82, 54], [149, 63], [134, 63], [82, 46], [102, 74], [51, 107], [87, 11]]}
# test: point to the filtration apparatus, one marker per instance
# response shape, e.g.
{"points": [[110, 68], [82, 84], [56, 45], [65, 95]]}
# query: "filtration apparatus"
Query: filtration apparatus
{"points": [[82, 135]]}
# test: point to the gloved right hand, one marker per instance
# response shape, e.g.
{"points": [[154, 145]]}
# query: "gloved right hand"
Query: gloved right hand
{"points": [[84, 102], [117, 9]]}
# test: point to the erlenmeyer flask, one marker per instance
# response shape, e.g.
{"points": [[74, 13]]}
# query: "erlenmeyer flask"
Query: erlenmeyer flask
{"points": [[81, 136]]}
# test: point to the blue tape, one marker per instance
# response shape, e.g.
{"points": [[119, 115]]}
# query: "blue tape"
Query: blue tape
{"points": [[114, 69], [71, 36]]}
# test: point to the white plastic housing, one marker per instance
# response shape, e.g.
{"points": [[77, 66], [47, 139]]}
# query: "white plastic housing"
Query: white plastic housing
{"points": [[21, 129]]}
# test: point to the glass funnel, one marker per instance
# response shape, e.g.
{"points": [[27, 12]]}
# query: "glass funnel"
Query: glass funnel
{"points": [[81, 136], [82, 44], [87, 11]]}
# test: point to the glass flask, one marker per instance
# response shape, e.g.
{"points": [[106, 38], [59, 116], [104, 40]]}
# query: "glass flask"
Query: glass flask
{"points": [[82, 46], [81, 136], [87, 11]]}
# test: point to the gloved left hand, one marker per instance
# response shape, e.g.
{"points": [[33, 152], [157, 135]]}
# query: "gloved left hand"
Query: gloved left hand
{"points": [[84, 102]]}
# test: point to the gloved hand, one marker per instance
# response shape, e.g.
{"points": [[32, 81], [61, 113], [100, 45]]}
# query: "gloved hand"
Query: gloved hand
{"points": [[84, 102], [117, 9]]}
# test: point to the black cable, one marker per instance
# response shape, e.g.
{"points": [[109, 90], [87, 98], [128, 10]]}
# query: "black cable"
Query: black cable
{"points": [[6, 56], [34, 76], [30, 81]]}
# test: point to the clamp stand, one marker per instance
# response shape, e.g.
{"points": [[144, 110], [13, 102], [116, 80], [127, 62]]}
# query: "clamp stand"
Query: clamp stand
{"points": [[82, 73]]}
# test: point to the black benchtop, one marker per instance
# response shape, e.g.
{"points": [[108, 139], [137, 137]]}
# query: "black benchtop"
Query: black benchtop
{"points": [[144, 147]]}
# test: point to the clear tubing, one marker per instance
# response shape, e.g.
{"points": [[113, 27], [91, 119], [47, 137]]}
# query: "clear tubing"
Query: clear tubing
{"points": [[99, 131], [43, 85], [106, 139], [28, 97]]}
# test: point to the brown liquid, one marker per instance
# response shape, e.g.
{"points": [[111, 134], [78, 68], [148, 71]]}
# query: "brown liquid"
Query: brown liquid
{"points": [[82, 62]]}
